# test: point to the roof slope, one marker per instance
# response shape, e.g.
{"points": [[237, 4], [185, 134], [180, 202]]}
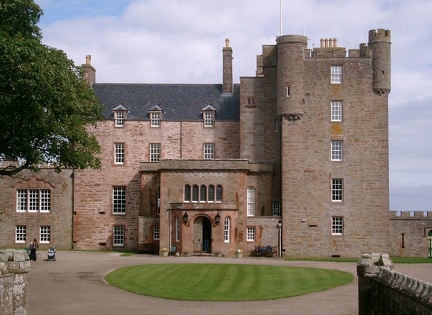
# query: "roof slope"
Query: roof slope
{"points": [[178, 101]]}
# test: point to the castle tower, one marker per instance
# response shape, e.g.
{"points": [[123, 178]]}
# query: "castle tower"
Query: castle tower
{"points": [[379, 42], [290, 75], [227, 68]]}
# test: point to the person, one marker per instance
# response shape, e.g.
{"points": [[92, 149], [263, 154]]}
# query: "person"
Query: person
{"points": [[33, 248]]}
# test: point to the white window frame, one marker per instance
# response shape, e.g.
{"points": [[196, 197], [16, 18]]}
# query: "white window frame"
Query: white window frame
{"points": [[336, 150], [33, 200], [45, 234], [156, 232], [276, 208], [155, 152], [158, 201], [250, 195], [119, 153], [250, 234], [118, 235], [187, 193], [227, 230], [337, 190], [177, 229], [209, 151], [336, 74], [119, 200], [219, 193], [20, 234], [336, 108], [209, 118], [337, 227], [155, 119], [119, 119]]}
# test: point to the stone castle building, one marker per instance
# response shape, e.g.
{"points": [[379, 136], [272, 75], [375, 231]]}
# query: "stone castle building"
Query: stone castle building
{"points": [[295, 157]]}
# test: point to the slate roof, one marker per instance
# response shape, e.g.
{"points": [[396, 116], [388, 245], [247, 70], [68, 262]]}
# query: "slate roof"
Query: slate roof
{"points": [[178, 101]]}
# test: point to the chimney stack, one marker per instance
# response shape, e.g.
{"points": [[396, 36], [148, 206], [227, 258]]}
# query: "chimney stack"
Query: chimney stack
{"points": [[227, 68], [89, 71]]}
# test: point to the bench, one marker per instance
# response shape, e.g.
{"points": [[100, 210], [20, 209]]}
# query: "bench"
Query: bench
{"points": [[263, 251], [148, 248]]}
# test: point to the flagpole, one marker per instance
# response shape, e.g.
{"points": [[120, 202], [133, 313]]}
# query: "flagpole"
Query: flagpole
{"points": [[280, 18]]}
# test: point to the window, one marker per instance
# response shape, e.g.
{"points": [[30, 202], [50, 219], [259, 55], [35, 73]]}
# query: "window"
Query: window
{"points": [[154, 152], [156, 233], [209, 151], [33, 200], [227, 227], [158, 201], [155, 119], [195, 193], [336, 150], [45, 234], [336, 111], [119, 200], [337, 190], [208, 119], [187, 193], [20, 234], [336, 74], [219, 193], [119, 119], [211, 193], [203, 193], [251, 202], [250, 233], [118, 235], [288, 91], [337, 225], [276, 209], [119, 153], [251, 102], [177, 229]]}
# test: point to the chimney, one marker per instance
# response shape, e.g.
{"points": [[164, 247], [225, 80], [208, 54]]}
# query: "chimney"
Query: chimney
{"points": [[227, 68], [89, 71]]}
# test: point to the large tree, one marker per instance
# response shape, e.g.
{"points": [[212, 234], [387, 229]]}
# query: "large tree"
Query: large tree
{"points": [[45, 104]]}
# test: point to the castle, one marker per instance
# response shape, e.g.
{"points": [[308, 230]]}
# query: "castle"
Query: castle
{"points": [[295, 157]]}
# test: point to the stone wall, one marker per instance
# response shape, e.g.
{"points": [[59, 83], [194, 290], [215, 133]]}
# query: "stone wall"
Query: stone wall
{"points": [[14, 266], [409, 233], [384, 291]]}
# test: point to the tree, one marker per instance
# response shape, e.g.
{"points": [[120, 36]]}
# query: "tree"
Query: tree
{"points": [[45, 104]]}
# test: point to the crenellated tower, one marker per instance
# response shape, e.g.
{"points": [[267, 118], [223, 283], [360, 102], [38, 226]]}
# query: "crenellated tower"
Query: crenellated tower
{"points": [[379, 43]]}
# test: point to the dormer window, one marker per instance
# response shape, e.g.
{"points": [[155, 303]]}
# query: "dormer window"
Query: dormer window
{"points": [[209, 114], [155, 114], [119, 116]]}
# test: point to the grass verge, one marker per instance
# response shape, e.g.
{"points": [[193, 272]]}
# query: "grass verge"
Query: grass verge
{"points": [[225, 282]]}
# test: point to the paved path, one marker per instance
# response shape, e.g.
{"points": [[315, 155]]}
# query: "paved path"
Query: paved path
{"points": [[73, 284]]}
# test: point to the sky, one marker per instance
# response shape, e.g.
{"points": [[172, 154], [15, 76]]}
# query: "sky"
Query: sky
{"points": [[180, 41]]}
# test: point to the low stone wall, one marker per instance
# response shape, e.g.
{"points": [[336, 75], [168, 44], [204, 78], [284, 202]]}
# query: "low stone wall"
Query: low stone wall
{"points": [[381, 290], [14, 267]]}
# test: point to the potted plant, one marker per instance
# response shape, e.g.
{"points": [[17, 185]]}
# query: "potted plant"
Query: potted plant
{"points": [[164, 252], [239, 253]]}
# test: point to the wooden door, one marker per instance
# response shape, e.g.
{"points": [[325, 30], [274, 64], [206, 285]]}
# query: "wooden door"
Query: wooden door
{"points": [[198, 234]]}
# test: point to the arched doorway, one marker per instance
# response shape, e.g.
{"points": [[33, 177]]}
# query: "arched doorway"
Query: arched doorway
{"points": [[430, 244], [202, 228]]}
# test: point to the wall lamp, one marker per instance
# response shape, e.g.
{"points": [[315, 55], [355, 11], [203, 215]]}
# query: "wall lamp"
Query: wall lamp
{"points": [[185, 218], [217, 218]]}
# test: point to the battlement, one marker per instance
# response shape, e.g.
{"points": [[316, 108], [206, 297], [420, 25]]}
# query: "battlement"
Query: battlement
{"points": [[380, 35], [410, 214]]}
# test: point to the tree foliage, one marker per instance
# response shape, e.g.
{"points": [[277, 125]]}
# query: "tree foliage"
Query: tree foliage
{"points": [[45, 103]]}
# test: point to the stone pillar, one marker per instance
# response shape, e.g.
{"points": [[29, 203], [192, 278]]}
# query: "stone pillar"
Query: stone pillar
{"points": [[14, 266], [366, 270]]}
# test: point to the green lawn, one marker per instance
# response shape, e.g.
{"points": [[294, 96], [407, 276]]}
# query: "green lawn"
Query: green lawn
{"points": [[225, 282]]}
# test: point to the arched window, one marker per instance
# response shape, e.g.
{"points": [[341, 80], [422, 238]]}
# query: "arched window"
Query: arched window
{"points": [[177, 229], [211, 193], [227, 228], [195, 193], [219, 193], [251, 202], [203, 193], [187, 193]]}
